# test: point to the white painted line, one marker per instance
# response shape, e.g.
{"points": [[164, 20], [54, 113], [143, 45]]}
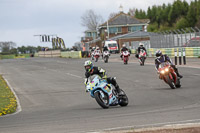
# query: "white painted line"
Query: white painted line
{"points": [[196, 74], [62, 62], [156, 125], [73, 75], [19, 109]]}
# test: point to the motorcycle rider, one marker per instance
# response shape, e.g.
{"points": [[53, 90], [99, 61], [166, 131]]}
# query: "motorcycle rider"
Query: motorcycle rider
{"points": [[91, 70], [123, 49], [160, 58], [92, 52], [141, 46], [97, 50], [105, 48]]}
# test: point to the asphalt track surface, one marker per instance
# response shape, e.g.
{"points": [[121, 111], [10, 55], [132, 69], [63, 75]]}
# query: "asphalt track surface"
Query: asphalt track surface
{"points": [[53, 98]]}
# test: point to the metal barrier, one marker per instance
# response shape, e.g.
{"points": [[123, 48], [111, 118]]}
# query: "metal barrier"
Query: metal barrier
{"points": [[189, 37]]}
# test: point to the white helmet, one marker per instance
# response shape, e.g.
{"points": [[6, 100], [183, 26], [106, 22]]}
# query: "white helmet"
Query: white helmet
{"points": [[97, 48], [124, 45], [141, 44]]}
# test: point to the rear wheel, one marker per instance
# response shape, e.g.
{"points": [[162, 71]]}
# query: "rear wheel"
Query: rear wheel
{"points": [[102, 101], [178, 85]]}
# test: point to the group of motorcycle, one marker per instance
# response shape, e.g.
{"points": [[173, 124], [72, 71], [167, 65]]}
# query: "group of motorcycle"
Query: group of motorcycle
{"points": [[141, 57], [96, 54]]}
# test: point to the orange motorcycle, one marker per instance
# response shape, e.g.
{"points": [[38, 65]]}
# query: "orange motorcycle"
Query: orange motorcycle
{"points": [[168, 74]]}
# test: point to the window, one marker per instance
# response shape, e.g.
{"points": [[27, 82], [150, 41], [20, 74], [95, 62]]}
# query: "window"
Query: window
{"points": [[115, 29], [88, 34], [112, 45], [134, 28]]}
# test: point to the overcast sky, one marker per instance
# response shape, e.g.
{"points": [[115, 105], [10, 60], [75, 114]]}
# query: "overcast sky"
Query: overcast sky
{"points": [[20, 20]]}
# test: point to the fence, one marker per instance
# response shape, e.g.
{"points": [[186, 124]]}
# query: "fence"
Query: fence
{"points": [[189, 37]]}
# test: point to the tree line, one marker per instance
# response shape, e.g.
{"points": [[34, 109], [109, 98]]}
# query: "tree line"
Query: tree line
{"points": [[10, 48], [177, 15]]}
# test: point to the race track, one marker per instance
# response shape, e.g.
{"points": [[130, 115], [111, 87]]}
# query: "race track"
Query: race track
{"points": [[53, 98]]}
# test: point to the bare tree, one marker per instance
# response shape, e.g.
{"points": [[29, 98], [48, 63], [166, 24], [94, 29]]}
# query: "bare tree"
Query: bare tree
{"points": [[112, 15], [132, 11], [91, 20], [6, 46]]}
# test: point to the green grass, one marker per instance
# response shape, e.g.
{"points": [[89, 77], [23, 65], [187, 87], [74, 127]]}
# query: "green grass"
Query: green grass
{"points": [[8, 102]]}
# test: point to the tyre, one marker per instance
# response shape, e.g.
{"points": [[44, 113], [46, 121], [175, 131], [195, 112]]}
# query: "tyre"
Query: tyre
{"points": [[92, 58], [178, 85], [103, 102], [170, 82], [96, 59], [125, 60], [142, 61], [123, 100], [106, 59]]}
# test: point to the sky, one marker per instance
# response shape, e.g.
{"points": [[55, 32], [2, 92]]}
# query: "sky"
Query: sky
{"points": [[20, 20]]}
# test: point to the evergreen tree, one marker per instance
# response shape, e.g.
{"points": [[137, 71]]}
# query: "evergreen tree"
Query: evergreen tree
{"points": [[191, 15]]}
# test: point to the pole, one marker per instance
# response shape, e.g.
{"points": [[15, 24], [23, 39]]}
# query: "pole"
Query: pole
{"points": [[179, 51], [184, 58], [108, 30], [175, 56]]}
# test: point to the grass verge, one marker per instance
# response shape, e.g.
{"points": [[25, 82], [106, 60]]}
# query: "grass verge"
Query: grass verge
{"points": [[8, 103]]}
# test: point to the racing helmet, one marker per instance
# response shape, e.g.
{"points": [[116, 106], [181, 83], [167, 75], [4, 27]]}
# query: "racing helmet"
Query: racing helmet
{"points": [[124, 45], [141, 44], [158, 53], [97, 48], [88, 66]]}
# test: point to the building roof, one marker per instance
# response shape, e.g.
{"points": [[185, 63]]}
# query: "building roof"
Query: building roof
{"points": [[135, 34], [124, 19], [90, 31]]}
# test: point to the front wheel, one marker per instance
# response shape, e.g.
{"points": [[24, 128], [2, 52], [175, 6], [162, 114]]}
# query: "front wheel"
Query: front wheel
{"points": [[106, 59], [143, 59], [170, 82], [96, 59], [102, 101], [123, 100], [125, 60]]}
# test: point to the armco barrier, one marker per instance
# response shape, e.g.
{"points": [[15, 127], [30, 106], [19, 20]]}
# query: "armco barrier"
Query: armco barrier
{"points": [[189, 51], [71, 54]]}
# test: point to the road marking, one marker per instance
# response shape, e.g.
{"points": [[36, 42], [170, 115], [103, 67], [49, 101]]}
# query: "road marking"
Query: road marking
{"points": [[19, 109], [62, 62], [196, 74], [73, 75], [152, 126]]}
